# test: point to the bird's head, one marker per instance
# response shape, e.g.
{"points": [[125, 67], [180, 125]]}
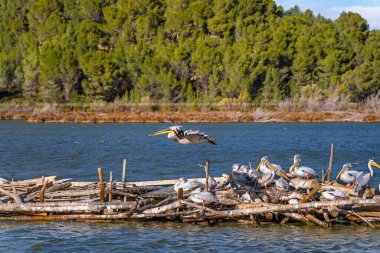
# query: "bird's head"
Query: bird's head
{"points": [[345, 167], [166, 131], [297, 161], [371, 162], [262, 161]]}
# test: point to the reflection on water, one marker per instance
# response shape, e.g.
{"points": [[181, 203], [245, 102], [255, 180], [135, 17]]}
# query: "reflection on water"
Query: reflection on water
{"points": [[77, 150]]}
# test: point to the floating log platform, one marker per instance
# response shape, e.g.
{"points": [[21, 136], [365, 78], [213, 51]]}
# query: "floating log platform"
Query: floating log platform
{"points": [[48, 198]]}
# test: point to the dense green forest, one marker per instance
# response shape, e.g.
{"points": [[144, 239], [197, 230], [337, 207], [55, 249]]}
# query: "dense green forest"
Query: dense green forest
{"points": [[182, 51]]}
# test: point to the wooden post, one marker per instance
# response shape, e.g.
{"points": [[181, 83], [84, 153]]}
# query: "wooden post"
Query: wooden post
{"points": [[323, 176], [207, 170], [180, 197], [100, 174], [42, 191], [110, 188], [123, 176], [124, 169], [330, 162], [180, 194]]}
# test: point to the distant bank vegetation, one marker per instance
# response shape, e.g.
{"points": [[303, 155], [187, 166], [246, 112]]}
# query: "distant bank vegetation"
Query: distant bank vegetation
{"points": [[185, 52]]}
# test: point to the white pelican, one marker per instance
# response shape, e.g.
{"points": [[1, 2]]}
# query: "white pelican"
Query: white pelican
{"points": [[347, 176], [303, 172], [204, 198], [187, 185], [267, 167], [333, 194], [362, 179], [185, 137]]}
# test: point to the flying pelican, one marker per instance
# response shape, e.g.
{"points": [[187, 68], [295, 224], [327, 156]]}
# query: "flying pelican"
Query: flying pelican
{"points": [[303, 172], [175, 133], [347, 176], [362, 179], [333, 194], [204, 198], [267, 167]]}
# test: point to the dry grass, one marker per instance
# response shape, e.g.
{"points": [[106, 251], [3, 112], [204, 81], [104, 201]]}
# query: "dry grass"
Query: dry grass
{"points": [[372, 104]]}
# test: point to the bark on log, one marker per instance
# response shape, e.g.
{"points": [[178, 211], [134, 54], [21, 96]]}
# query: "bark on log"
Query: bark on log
{"points": [[317, 221], [296, 216], [291, 207], [163, 209], [15, 197], [62, 207]]}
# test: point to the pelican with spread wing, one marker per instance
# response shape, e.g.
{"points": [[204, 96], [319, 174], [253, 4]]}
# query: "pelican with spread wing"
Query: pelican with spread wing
{"points": [[362, 180], [175, 133]]}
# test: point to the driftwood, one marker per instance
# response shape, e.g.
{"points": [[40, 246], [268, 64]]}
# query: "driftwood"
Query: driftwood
{"points": [[14, 196], [156, 200]]}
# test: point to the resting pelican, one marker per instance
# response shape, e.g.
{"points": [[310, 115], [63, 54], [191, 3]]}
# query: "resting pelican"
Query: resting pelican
{"points": [[204, 198], [347, 176], [185, 137], [362, 180], [303, 172], [187, 185], [267, 167], [333, 194]]}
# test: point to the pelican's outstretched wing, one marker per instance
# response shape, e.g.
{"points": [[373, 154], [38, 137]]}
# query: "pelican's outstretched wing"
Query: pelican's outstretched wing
{"points": [[361, 181], [198, 137]]}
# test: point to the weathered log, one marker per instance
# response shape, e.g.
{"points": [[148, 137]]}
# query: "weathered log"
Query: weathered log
{"points": [[315, 220], [120, 216], [293, 195], [311, 193], [252, 205], [62, 207], [291, 207], [190, 204], [15, 197], [163, 209], [296, 216], [363, 219]]}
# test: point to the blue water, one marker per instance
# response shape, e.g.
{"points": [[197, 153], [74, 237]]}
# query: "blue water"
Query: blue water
{"points": [[77, 150]]}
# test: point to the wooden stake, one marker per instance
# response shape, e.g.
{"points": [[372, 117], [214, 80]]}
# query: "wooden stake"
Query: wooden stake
{"points": [[110, 188], [330, 162], [180, 194], [42, 191], [123, 176], [323, 176], [207, 170], [124, 169], [102, 190]]}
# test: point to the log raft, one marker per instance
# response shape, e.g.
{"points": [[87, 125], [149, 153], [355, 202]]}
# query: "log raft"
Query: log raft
{"points": [[48, 198]]}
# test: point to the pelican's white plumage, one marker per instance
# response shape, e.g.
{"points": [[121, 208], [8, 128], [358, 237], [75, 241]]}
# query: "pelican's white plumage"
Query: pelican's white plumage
{"points": [[187, 185], [347, 176], [301, 171], [175, 133], [333, 194], [205, 198], [267, 167]]}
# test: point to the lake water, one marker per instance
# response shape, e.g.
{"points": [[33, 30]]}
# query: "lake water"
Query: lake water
{"points": [[77, 150]]}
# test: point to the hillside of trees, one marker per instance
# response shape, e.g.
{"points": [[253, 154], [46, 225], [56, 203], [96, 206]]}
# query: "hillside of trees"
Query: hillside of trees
{"points": [[181, 51]]}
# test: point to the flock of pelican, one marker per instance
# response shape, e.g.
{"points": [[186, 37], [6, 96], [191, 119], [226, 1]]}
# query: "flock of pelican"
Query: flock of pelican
{"points": [[266, 172]]}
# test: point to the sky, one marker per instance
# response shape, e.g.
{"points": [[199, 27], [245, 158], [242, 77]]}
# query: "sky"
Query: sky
{"points": [[368, 9]]}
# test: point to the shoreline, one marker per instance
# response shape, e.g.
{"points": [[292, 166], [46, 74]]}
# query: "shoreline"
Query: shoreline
{"points": [[191, 117]]}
